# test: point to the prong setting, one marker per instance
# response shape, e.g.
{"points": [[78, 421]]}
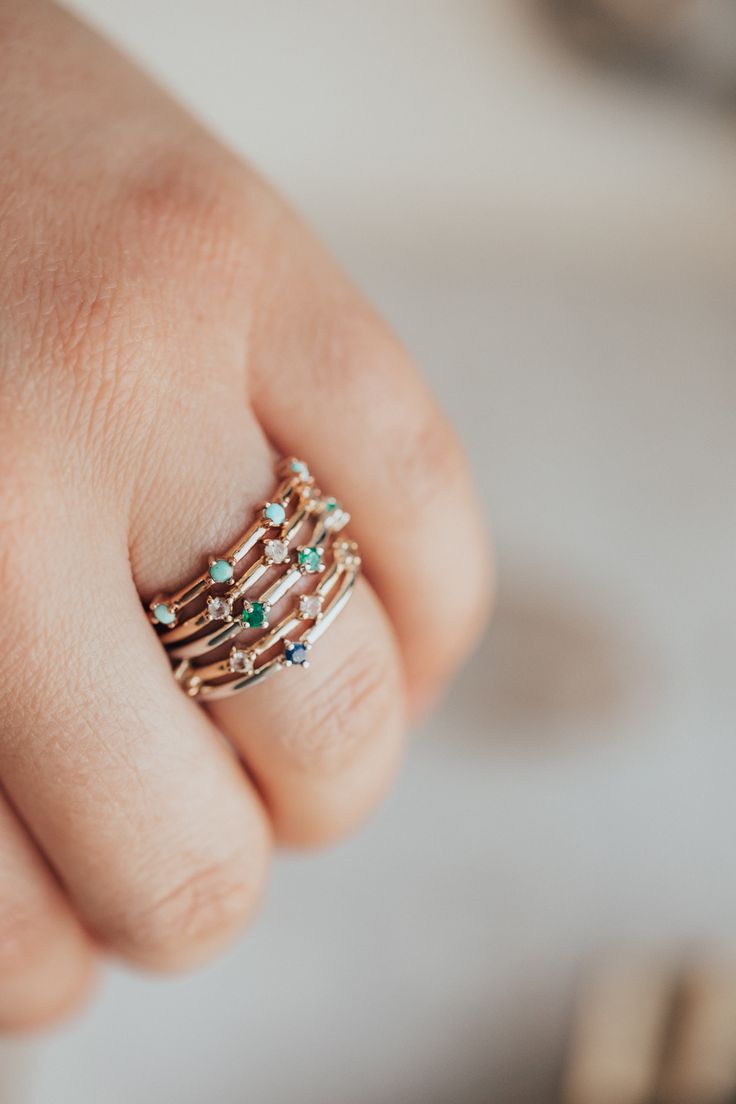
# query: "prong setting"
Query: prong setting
{"points": [[219, 608]]}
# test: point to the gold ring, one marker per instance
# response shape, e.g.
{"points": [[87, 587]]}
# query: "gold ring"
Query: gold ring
{"points": [[218, 607]]}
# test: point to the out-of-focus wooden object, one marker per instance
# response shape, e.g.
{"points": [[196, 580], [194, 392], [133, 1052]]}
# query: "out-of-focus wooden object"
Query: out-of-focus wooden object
{"points": [[618, 1033], [701, 1060], [694, 40]]}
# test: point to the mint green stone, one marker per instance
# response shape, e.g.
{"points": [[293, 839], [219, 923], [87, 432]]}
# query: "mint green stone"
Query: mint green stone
{"points": [[221, 571], [163, 614], [310, 558], [275, 513], [256, 617]]}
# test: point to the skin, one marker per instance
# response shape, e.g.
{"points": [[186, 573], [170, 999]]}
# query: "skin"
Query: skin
{"points": [[167, 327]]}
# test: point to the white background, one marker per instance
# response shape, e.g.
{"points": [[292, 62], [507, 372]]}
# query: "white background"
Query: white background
{"points": [[556, 244]]}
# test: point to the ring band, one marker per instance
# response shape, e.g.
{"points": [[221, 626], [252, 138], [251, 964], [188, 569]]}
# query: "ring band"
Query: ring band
{"points": [[218, 607]]}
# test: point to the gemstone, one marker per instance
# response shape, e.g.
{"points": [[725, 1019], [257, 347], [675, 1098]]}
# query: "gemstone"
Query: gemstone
{"points": [[276, 551], [335, 517], [346, 554], [275, 513], [255, 615], [310, 558], [295, 652], [163, 614], [311, 499], [221, 571], [299, 468], [310, 605], [241, 661], [219, 609]]}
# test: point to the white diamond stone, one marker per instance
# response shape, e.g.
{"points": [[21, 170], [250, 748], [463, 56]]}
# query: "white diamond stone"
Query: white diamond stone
{"points": [[337, 520], [218, 609], [241, 661], [310, 605], [276, 551], [346, 553]]}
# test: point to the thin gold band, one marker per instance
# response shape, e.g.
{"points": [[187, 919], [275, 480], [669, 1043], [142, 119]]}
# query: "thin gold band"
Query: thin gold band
{"points": [[203, 632]]}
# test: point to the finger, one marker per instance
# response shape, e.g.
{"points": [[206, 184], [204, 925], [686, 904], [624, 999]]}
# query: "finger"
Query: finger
{"points": [[330, 383], [46, 959], [324, 744], [619, 1031], [155, 831], [700, 1060]]}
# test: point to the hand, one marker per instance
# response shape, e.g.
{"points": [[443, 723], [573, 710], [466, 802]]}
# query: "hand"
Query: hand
{"points": [[167, 327]]}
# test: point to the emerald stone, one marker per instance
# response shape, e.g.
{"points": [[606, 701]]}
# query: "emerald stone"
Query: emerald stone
{"points": [[221, 571], [254, 615], [275, 513], [310, 558], [163, 614]]}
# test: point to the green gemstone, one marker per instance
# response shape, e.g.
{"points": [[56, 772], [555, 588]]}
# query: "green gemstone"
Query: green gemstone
{"points": [[330, 504], [310, 558], [163, 614], [254, 615], [221, 571]]}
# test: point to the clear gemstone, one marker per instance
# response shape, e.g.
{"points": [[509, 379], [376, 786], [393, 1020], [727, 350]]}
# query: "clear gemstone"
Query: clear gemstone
{"points": [[276, 551], [310, 605], [311, 498], [218, 609], [241, 661], [346, 553], [335, 517]]}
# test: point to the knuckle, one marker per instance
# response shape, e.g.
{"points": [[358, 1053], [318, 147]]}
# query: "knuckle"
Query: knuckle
{"points": [[183, 207], [419, 451], [177, 926], [423, 459], [346, 754], [111, 273], [363, 695]]}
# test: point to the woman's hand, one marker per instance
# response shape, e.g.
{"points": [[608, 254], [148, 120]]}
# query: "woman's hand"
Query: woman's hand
{"points": [[166, 327]]}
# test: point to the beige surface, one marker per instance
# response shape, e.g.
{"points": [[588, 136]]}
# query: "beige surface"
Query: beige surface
{"points": [[558, 249]]}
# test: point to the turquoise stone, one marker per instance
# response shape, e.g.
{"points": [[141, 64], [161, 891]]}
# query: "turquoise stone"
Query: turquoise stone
{"points": [[275, 513], [221, 571], [163, 614], [298, 467]]}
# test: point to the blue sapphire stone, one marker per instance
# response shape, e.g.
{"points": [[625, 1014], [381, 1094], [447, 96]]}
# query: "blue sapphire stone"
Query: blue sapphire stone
{"points": [[296, 652]]}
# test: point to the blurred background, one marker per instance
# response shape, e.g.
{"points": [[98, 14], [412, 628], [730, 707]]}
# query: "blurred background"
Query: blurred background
{"points": [[540, 198]]}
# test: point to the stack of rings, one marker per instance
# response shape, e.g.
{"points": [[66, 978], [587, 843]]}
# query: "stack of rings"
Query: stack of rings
{"points": [[220, 608]]}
